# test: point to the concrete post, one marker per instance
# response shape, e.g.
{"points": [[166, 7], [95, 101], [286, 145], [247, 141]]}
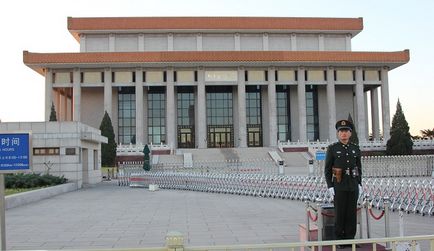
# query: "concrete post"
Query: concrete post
{"points": [[301, 94], [139, 106], [108, 92], [170, 110], [331, 104], [375, 114], [201, 110], [385, 103], [272, 109], [48, 93], [242, 124], [76, 90], [361, 117]]}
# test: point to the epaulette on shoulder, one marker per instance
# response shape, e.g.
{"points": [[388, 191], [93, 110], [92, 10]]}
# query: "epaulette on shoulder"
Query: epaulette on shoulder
{"points": [[354, 144], [333, 144]]}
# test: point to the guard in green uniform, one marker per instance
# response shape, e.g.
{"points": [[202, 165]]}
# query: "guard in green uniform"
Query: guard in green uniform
{"points": [[343, 173]]}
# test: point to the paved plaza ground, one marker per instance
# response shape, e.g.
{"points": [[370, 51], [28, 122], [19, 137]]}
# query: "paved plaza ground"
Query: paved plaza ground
{"points": [[109, 216]]}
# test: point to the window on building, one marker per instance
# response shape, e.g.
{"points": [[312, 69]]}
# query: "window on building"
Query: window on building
{"points": [[156, 115], [283, 113], [127, 115], [185, 116], [70, 151], [312, 120], [254, 115], [46, 151]]}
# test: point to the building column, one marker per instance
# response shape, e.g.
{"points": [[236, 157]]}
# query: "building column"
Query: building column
{"points": [[64, 105], [293, 42], [265, 42], [141, 41], [348, 42], [242, 123], [82, 43], [57, 98], [76, 94], [301, 94], [170, 110], [48, 93], [375, 114], [201, 110], [139, 106], [272, 108], [112, 42], [385, 103], [361, 117], [145, 115], [331, 104], [321, 42], [237, 40], [108, 91]]}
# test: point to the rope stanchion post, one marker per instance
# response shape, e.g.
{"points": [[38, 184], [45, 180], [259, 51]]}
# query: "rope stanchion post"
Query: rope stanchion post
{"points": [[320, 222], [306, 201], [387, 220], [366, 205]]}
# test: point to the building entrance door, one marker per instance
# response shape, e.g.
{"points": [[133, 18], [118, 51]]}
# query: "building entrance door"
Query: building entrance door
{"points": [[220, 137], [254, 136], [186, 137]]}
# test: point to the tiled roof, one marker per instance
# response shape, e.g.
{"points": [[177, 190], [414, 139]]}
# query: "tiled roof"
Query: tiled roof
{"points": [[88, 24], [42, 60]]}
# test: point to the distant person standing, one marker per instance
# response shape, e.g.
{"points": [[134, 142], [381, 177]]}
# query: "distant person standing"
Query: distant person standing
{"points": [[343, 173]]}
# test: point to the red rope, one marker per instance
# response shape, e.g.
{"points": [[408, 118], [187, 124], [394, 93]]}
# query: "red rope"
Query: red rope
{"points": [[311, 217], [376, 217]]}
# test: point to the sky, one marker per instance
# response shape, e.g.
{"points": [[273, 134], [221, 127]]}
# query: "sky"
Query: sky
{"points": [[41, 26]]}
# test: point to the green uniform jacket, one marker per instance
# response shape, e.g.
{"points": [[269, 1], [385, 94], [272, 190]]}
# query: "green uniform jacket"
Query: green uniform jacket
{"points": [[348, 158]]}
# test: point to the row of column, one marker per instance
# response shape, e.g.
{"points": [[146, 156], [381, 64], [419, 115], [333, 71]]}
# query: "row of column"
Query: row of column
{"points": [[242, 126]]}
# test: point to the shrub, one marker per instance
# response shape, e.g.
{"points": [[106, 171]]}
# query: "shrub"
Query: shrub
{"points": [[32, 180]]}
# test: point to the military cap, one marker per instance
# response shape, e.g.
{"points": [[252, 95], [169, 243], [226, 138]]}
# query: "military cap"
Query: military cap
{"points": [[344, 124]]}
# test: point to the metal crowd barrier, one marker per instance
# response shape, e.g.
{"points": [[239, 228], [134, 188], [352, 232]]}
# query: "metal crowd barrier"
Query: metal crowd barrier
{"points": [[412, 195], [391, 166]]}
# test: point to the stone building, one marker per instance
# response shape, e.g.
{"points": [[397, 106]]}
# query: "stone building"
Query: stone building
{"points": [[209, 82]]}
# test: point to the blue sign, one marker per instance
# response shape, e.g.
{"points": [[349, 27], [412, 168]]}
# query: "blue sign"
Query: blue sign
{"points": [[14, 152], [320, 155]]}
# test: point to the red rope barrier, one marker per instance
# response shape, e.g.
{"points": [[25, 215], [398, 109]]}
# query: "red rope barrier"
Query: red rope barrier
{"points": [[311, 217], [376, 217]]}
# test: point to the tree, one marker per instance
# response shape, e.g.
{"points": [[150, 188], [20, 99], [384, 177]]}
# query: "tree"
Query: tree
{"points": [[53, 116], [108, 150], [354, 138], [427, 133], [400, 142], [146, 164]]}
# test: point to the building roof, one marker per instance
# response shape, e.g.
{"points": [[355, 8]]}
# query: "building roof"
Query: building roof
{"points": [[209, 24], [40, 61]]}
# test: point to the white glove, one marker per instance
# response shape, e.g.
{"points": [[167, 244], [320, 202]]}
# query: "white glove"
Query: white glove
{"points": [[360, 189], [332, 191]]}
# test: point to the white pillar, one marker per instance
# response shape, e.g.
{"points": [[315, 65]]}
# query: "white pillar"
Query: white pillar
{"points": [[76, 90], [57, 103], [170, 110], [301, 94], [375, 114], [201, 110], [237, 42], [170, 42], [48, 93], [112, 42], [265, 41], [321, 42], [145, 115], [348, 42], [242, 123], [366, 115], [64, 105], [108, 92], [82, 43], [272, 109], [361, 117], [331, 104], [139, 106], [385, 103], [293, 42], [141, 42], [199, 42]]}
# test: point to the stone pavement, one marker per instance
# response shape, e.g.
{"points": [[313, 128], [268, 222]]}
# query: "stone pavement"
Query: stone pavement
{"points": [[109, 216]]}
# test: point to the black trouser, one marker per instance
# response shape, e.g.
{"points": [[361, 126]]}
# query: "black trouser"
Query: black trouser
{"points": [[345, 214]]}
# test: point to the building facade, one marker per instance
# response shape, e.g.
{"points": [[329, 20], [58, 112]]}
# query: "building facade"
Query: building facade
{"points": [[209, 82]]}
